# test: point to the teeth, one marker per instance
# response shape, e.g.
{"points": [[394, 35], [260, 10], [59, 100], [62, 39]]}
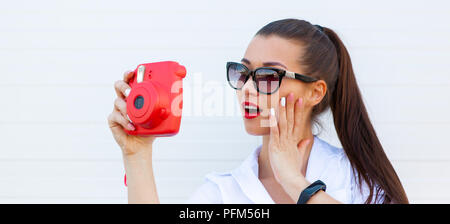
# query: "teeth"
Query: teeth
{"points": [[248, 107]]}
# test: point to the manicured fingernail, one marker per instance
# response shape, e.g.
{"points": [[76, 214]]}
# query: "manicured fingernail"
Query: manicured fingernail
{"points": [[272, 111], [127, 92], [290, 97], [283, 101], [130, 127], [128, 118]]}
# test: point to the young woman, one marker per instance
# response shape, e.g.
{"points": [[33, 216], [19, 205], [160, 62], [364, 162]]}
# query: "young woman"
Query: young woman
{"points": [[291, 72]]}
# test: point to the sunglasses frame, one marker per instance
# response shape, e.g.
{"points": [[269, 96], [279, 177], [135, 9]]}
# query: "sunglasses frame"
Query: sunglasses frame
{"points": [[281, 73]]}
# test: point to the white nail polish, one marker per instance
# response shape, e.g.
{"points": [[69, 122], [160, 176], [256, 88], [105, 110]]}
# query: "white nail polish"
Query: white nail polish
{"points": [[128, 118], [272, 111], [283, 101], [127, 92]]}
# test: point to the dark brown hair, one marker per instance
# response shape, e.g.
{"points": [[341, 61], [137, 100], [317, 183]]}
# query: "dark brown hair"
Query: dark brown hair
{"points": [[325, 57]]}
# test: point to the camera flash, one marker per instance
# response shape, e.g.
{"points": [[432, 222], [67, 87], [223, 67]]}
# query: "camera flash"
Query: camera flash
{"points": [[140, 74]]}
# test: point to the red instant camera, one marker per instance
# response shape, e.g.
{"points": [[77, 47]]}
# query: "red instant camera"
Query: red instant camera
{"points": [[155, 101]]}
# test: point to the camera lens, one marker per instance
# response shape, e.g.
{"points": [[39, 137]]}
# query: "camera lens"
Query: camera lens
{"points": [[139, 102]]}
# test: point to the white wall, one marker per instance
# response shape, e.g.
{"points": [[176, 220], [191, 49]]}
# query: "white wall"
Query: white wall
{"points": [[59, 60]]}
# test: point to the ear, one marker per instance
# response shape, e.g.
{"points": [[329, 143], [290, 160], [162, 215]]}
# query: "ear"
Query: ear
{"points": [[318, 90]]}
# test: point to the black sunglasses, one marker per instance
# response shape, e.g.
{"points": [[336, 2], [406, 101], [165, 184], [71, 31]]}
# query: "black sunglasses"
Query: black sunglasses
{"points": [[267, 80]]}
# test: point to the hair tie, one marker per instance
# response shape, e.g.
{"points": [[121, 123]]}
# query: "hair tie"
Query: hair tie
{"points": [[319, 27]]}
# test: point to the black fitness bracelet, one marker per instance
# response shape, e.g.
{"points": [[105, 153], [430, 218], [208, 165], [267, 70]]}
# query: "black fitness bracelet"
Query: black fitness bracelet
{"points": [[310, 191]]}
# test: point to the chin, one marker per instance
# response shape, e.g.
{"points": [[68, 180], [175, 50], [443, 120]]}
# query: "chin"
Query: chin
{"points": [[253, 127]]}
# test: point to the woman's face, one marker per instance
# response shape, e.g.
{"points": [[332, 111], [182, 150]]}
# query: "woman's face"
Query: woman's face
{"points": [[270, 51]]}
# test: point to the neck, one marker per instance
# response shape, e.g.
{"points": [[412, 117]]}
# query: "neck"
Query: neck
{"points": [[265, 170]]}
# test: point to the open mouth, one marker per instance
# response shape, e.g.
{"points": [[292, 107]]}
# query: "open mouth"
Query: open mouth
{"points": [[251, 110]]}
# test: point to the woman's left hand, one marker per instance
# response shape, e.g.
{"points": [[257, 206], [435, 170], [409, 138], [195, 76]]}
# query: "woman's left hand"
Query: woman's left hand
{"points": [[287, 151]]}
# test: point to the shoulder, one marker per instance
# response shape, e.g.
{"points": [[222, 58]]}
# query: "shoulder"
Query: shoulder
{"points": [[219, 188], [232, 186], [209, 192], [341, 177]]}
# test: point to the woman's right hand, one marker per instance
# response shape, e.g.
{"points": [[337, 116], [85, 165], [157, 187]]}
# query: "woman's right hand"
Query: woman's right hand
{"points": [[131, 145]]}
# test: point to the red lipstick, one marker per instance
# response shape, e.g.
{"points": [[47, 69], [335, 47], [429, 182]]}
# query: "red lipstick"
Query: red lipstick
{"points": [[251, 110]]}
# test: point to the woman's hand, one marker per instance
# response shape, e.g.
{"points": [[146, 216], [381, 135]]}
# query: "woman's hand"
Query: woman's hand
{"points": [[131, 145], [136, 150], [287, 151]]}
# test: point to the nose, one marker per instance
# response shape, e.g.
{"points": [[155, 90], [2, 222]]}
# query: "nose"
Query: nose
{"points": [[249, 88]]}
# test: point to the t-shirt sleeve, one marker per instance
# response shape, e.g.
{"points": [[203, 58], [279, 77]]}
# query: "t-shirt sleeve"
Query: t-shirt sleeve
{"points": [[207, 193]]}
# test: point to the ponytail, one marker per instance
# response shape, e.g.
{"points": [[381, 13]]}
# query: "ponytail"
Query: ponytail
{"points": [[357, 135]]}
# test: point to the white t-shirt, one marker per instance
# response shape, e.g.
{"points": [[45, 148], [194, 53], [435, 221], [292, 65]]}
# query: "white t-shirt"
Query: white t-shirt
{"points": [[242, 185]]}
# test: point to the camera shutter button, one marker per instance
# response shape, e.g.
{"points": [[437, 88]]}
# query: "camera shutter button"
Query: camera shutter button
{"points": [[180, 71]]}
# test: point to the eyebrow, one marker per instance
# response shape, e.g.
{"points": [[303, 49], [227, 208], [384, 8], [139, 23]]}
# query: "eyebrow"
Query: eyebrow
{"points": [[268, 63]]}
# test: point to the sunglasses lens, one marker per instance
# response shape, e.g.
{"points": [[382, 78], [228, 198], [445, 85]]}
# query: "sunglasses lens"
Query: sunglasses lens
{"points": [[267, 80], [237, 75]]}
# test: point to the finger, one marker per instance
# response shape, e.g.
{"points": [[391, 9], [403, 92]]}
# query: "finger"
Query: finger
{"points": [[116, 118], [274, 132], [299, 116], [127, 76], [121, 106], [290, 112], [282, 117], [122, 89]]}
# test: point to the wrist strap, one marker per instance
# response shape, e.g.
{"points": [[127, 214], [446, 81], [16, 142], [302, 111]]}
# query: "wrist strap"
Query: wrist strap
{"points": [[310, 191]]}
